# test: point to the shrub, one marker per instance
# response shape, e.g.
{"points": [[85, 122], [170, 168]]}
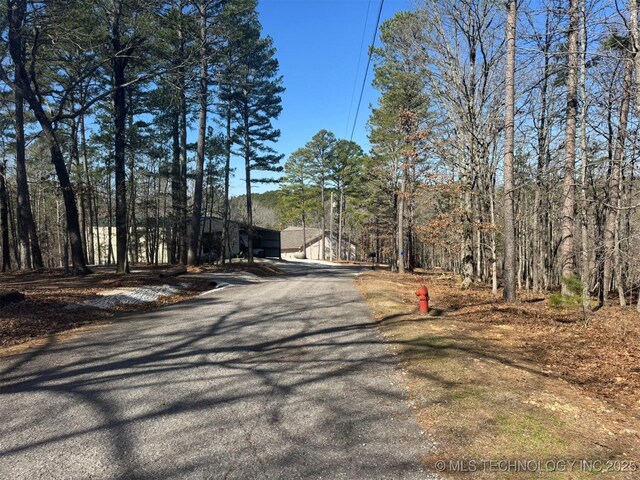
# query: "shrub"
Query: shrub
{"points": [[574, 299]]}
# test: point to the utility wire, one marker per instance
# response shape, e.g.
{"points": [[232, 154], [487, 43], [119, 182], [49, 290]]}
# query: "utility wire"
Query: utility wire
{"points": [[355, 80], [366, 70]]}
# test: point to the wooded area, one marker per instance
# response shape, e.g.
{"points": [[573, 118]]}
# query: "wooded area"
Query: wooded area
{"points": [[504, 143], [504, 146], [110, 90]]}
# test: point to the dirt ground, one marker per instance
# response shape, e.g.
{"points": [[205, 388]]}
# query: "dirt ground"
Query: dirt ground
{"points": [[47, 292], [498, 382]]}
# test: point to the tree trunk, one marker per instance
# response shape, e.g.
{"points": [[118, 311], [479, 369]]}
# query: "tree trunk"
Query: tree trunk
{"points": [[4, 219], [175, 188], [539, 238], [22, 186], [184, 240], [74, 164], [617, 257], [226, 247], [400, 234], [410, 258], [192, 258], [509, 186], [635, 38], [110, 257], [304, 232], [584, 207], [615, 185], [96, 223], [331, 228], [23, 89], [494, 250], [467, 234], [133, 239], [119, 64], [89, 188], [324, 215], [68, 195], [568, 191], [247, 169], [340, 210]]}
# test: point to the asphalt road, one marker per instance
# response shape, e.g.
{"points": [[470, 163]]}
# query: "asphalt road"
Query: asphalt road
{"points": [[278, 378]]}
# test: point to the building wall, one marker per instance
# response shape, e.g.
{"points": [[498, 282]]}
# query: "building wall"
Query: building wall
{"points": [[314, 250], [101, 234], [210, 226], [213, 227]]}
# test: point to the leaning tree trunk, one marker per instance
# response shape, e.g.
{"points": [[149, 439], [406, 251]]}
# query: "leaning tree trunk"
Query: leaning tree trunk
{"points": [[57, 158]]}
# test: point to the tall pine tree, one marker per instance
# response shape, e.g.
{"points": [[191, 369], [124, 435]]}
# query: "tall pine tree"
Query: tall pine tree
{"points": [[255, 102]]}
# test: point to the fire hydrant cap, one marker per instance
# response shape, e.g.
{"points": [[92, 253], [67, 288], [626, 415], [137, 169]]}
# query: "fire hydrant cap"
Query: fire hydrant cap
{"points": [[422, 291]]}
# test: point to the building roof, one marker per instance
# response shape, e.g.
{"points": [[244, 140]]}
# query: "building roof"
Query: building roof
{"points": [[291, 238]]}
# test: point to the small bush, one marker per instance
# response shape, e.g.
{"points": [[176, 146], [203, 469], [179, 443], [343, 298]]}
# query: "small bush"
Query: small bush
{"points": [[557, 300], [573, 284], [574, 299]]}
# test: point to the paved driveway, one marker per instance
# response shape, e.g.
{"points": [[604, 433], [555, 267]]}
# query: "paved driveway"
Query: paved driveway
{"points": [[283, 378]]}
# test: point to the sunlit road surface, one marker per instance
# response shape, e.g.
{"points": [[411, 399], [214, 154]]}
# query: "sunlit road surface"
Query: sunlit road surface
{"points": [[267, 378]]}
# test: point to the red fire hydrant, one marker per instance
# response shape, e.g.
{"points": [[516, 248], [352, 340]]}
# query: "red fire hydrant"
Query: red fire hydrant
{"points": [[423, 294]]}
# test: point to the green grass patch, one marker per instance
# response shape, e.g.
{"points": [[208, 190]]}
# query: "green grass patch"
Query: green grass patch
{"points": [[529, 432]]}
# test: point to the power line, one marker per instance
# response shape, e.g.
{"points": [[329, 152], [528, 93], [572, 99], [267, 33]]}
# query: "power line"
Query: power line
{"points": [[355, 80], [366, 71]]}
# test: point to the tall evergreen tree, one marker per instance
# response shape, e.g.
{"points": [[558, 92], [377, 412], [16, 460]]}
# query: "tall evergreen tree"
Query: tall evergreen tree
{"points": [[207, 10], [402, 111], [298, 192], [345, 171], [255, 102], [321, 149]]}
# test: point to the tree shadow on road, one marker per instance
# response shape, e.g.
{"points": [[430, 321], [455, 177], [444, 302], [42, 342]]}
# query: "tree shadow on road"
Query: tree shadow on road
{"points": [[277, 388]]}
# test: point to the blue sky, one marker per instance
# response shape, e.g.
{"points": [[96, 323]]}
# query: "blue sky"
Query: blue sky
{"points": [[318, 47]]}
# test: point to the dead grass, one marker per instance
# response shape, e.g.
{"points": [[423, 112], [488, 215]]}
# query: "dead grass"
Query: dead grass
{"points": [[492, 381]]}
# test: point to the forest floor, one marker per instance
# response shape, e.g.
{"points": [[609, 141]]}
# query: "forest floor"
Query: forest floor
{"points": [[495, 382], [49, 294]]}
